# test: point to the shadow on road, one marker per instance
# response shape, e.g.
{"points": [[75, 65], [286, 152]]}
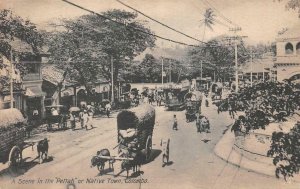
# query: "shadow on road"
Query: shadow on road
{"points": [[23, 168], [168, 163], [154, 154]]}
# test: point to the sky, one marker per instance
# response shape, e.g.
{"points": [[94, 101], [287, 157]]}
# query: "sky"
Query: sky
{"points": [[260, 20]]}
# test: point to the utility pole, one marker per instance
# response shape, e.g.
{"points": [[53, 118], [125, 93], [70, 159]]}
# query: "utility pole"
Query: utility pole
{"points": [[236, 68], [201, 69], [263, 73], [170, 76], [251, 77], [11, 81], [112, 79], [162, 71], [236, 38], [214, 76]]}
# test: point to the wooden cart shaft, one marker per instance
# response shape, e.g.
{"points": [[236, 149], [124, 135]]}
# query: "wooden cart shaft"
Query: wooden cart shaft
{"points": [[115, 158]]}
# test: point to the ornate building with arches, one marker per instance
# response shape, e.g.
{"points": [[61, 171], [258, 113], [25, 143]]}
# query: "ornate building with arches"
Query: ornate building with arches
{"points": [[288, 55]]}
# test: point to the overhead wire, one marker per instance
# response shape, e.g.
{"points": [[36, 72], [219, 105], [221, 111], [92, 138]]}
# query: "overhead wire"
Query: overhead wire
{"points": [[128, 26], [220, 14], [169, 27]]}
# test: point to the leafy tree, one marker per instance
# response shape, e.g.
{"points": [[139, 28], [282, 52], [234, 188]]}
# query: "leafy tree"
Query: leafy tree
{"points": [[89, 43], [216, 56], [13, 28], [293, 4], [151, 68], [285, 149], [208, 20]]}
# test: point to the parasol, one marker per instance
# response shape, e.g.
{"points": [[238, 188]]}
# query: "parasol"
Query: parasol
{"points": [[74, 109]]}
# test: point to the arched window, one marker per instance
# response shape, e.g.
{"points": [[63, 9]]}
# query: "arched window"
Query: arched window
{"points": [[289, 49], [298, 48]]}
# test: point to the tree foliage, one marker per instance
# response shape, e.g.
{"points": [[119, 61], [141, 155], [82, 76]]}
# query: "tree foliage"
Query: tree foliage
{"points": [[88, 44], [285, 149], [293, 4], [216, 56], [13, 28]]}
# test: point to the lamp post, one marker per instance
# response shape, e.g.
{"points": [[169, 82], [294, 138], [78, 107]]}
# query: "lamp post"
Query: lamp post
{"points": [[112, 78], [11, 81], [162, 71]]}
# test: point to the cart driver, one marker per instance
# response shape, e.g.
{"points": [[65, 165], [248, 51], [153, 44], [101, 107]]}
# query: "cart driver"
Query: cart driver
{"points": [[129, 139]]}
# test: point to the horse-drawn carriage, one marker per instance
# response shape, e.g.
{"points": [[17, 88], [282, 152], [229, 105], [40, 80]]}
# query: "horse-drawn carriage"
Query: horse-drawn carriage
{"points": [[192, 105], [174, 98], [135, 129], [56, 115], [216, 90], [13, 138]]}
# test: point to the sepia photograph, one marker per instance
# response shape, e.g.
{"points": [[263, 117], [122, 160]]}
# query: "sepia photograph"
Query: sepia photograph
{"points": [[149, 94]]}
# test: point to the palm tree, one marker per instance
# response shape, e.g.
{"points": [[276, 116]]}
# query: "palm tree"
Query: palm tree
{"points": [[208, 20]]}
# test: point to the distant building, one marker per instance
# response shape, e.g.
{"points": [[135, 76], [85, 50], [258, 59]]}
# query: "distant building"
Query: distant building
{"points": [[28, 94], [288, 55], [262, 69], [65, 91]]}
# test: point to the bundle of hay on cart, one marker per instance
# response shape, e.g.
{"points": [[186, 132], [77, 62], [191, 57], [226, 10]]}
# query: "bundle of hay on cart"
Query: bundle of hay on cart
{"points": [[142, 119]]}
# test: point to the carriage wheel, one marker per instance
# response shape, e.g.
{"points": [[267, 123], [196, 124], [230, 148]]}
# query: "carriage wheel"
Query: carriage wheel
{"points": [[15, 158], [148, 148]]}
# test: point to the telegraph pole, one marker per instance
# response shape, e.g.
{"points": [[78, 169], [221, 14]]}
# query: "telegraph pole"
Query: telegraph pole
{"points": [[201, 70], [162, 71], [170, 76], [251, 77], [236, 37], [11, 81], [236, 68], [112, 79]]}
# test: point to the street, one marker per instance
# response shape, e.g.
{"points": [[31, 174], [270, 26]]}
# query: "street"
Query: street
{"points": [[193, 163]]}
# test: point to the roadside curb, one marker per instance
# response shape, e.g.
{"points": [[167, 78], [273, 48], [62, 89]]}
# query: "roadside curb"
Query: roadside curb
{"points": [[224, 149]]}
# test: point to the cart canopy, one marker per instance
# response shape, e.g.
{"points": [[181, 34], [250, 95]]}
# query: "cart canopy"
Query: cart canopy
{"points": [[10, 117], [141, 117]]}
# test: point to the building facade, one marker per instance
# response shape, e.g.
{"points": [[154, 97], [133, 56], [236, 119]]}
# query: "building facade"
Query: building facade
{"points": [[288, 55]]}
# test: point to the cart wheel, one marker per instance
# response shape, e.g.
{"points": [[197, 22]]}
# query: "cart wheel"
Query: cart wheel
{"points": [[15, 157], [148, 148]]}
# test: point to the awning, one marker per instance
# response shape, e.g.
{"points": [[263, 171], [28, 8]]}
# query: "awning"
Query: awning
{"points": [[34, 92]]}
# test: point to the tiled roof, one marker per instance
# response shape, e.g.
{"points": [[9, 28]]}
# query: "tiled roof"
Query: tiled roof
{"points": [[21, 46], [52, 74]]}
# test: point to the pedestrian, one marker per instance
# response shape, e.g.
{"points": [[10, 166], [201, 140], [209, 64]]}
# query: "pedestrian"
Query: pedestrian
{"points": [[108, 108], [230, 110], [81, 118], [85, 119], [175, 124], [90, 115], [198, 122], [72, 121], [239, 125], [158, 100]]}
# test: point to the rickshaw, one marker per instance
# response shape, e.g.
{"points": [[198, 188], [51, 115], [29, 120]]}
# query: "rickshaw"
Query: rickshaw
{"points": [[60, 119]]}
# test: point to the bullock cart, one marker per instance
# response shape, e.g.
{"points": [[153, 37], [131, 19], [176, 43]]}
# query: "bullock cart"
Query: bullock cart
{"points": [[13, 137], [192, 105], [136, 145]]}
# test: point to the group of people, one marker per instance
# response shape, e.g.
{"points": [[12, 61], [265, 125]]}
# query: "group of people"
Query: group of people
{"points": [[86, 116]]}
